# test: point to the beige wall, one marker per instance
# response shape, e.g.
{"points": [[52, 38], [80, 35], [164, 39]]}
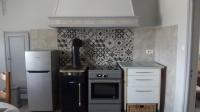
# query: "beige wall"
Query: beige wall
{"points": [[144, 39], [175, 12], [43, 39], [23, 15], [2, 53], [166, 54]]}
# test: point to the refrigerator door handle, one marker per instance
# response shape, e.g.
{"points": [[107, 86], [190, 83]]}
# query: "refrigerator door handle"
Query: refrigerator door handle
{"points": [[30, 71], [79, 103]]}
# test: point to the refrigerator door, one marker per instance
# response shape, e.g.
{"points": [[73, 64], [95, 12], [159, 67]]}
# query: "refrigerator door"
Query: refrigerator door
{"points": [[38, 60], [39, 91]]}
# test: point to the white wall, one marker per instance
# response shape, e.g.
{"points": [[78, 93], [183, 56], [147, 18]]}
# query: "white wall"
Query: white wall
{"points": [[2, 55], [149, 15], [27, 14], [100, 8], [175, 12], [24, 15], [165, 50]]}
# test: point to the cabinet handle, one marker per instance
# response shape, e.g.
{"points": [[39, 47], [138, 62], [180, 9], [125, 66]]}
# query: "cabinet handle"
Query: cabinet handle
{"points": [[144, 91], [79, 87], [71, 82], [144, 79], [144, 72]]}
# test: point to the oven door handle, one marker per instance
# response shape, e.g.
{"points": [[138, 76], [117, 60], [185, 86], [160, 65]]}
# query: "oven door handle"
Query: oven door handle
{"points": [[104, 81], [79, 100]]}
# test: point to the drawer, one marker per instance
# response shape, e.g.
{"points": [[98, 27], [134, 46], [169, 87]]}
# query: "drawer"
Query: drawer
{"points": [[104, 111], [140, 80], [104, 107], [142, 95], [143, 71]]}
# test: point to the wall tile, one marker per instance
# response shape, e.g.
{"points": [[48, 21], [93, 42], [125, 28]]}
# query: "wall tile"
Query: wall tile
{"points": [[102, 46]]}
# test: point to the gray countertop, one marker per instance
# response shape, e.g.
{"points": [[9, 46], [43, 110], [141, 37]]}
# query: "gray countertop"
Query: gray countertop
{"points": [[140, 65], [68, 69]]}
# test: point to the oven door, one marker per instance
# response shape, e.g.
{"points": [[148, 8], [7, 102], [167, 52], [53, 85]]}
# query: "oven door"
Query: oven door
{"points": [[104, 91]]}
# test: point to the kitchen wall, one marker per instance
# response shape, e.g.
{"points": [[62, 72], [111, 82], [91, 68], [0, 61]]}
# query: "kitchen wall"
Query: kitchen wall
{"points": [[2, 53], [163, 40], [25, 15], [43, 39], [166, 54], [101, 45], [175, 12]]}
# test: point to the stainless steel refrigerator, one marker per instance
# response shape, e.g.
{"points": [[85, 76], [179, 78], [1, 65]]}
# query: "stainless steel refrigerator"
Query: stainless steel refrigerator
{"points": [[42, 71]]}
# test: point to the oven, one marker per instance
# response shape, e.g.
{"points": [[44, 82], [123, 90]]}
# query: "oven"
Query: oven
{"points": [[104, 91]]}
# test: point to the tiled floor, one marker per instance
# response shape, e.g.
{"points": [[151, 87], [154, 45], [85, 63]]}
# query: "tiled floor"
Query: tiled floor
{"points": [[197, 106], [25, 109], [197, 110]]}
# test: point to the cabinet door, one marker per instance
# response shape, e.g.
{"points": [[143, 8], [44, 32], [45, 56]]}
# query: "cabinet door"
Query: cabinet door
{"points": [[69, 96], [73, 94]]}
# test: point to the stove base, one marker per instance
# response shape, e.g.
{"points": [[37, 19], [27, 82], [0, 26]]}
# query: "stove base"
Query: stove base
{"points": [[104, 108]]}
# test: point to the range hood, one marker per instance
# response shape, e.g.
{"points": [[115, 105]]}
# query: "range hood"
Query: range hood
{"points": [[94, 13]]}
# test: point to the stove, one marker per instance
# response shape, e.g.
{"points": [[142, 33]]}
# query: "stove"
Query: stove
{"points": [[105, 89], [104, 72]]}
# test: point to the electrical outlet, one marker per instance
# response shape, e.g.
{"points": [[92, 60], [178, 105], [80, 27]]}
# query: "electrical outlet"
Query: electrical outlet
{"points": [[149, 51]]}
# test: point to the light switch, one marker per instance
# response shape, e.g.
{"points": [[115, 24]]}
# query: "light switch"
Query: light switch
{"points": [[149, 51]]}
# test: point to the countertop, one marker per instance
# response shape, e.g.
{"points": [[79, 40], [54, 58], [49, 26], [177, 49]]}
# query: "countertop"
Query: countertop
{"points": [[68, 69], [140, 65]]}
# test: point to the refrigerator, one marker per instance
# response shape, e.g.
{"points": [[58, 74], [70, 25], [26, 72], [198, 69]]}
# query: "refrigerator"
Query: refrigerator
{"points": [[42, 73]]}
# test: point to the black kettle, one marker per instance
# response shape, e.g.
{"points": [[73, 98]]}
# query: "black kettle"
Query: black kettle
{"points": [[76, 44]]}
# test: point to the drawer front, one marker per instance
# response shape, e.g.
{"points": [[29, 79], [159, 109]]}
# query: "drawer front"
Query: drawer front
{"points": [[143, 71], [140, 80], [104, 107], [142, 95]]}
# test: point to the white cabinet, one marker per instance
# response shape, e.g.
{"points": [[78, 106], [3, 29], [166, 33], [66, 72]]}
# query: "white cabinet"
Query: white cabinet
{"points": [[142, 83]]}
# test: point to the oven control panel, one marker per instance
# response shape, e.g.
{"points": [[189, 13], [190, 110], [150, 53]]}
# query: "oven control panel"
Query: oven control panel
{"points": [[109, 74], [101, 76]]}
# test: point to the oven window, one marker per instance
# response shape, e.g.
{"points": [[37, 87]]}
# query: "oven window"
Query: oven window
{"points": [[105, 90]]}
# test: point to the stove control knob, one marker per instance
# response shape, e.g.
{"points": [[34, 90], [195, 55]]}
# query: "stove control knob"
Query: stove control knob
{"points": [[105, 76], [99, 75]]}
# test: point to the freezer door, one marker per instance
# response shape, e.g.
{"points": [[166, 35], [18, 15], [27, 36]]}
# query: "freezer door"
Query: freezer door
{"points": [[39, 91], [38, 60]]}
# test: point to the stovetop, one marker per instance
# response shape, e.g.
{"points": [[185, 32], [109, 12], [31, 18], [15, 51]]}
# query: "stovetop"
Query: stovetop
{"points": [[104, 67]]}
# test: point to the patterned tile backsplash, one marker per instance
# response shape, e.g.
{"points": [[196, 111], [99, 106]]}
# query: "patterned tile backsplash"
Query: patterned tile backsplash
{"points": [[101, 46]]}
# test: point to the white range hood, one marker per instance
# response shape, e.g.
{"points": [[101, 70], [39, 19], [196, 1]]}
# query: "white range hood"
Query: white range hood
{"points": [[94, 13]]}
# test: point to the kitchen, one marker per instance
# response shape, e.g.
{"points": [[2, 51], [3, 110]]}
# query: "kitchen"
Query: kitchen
{"points": [[154, 38]]}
